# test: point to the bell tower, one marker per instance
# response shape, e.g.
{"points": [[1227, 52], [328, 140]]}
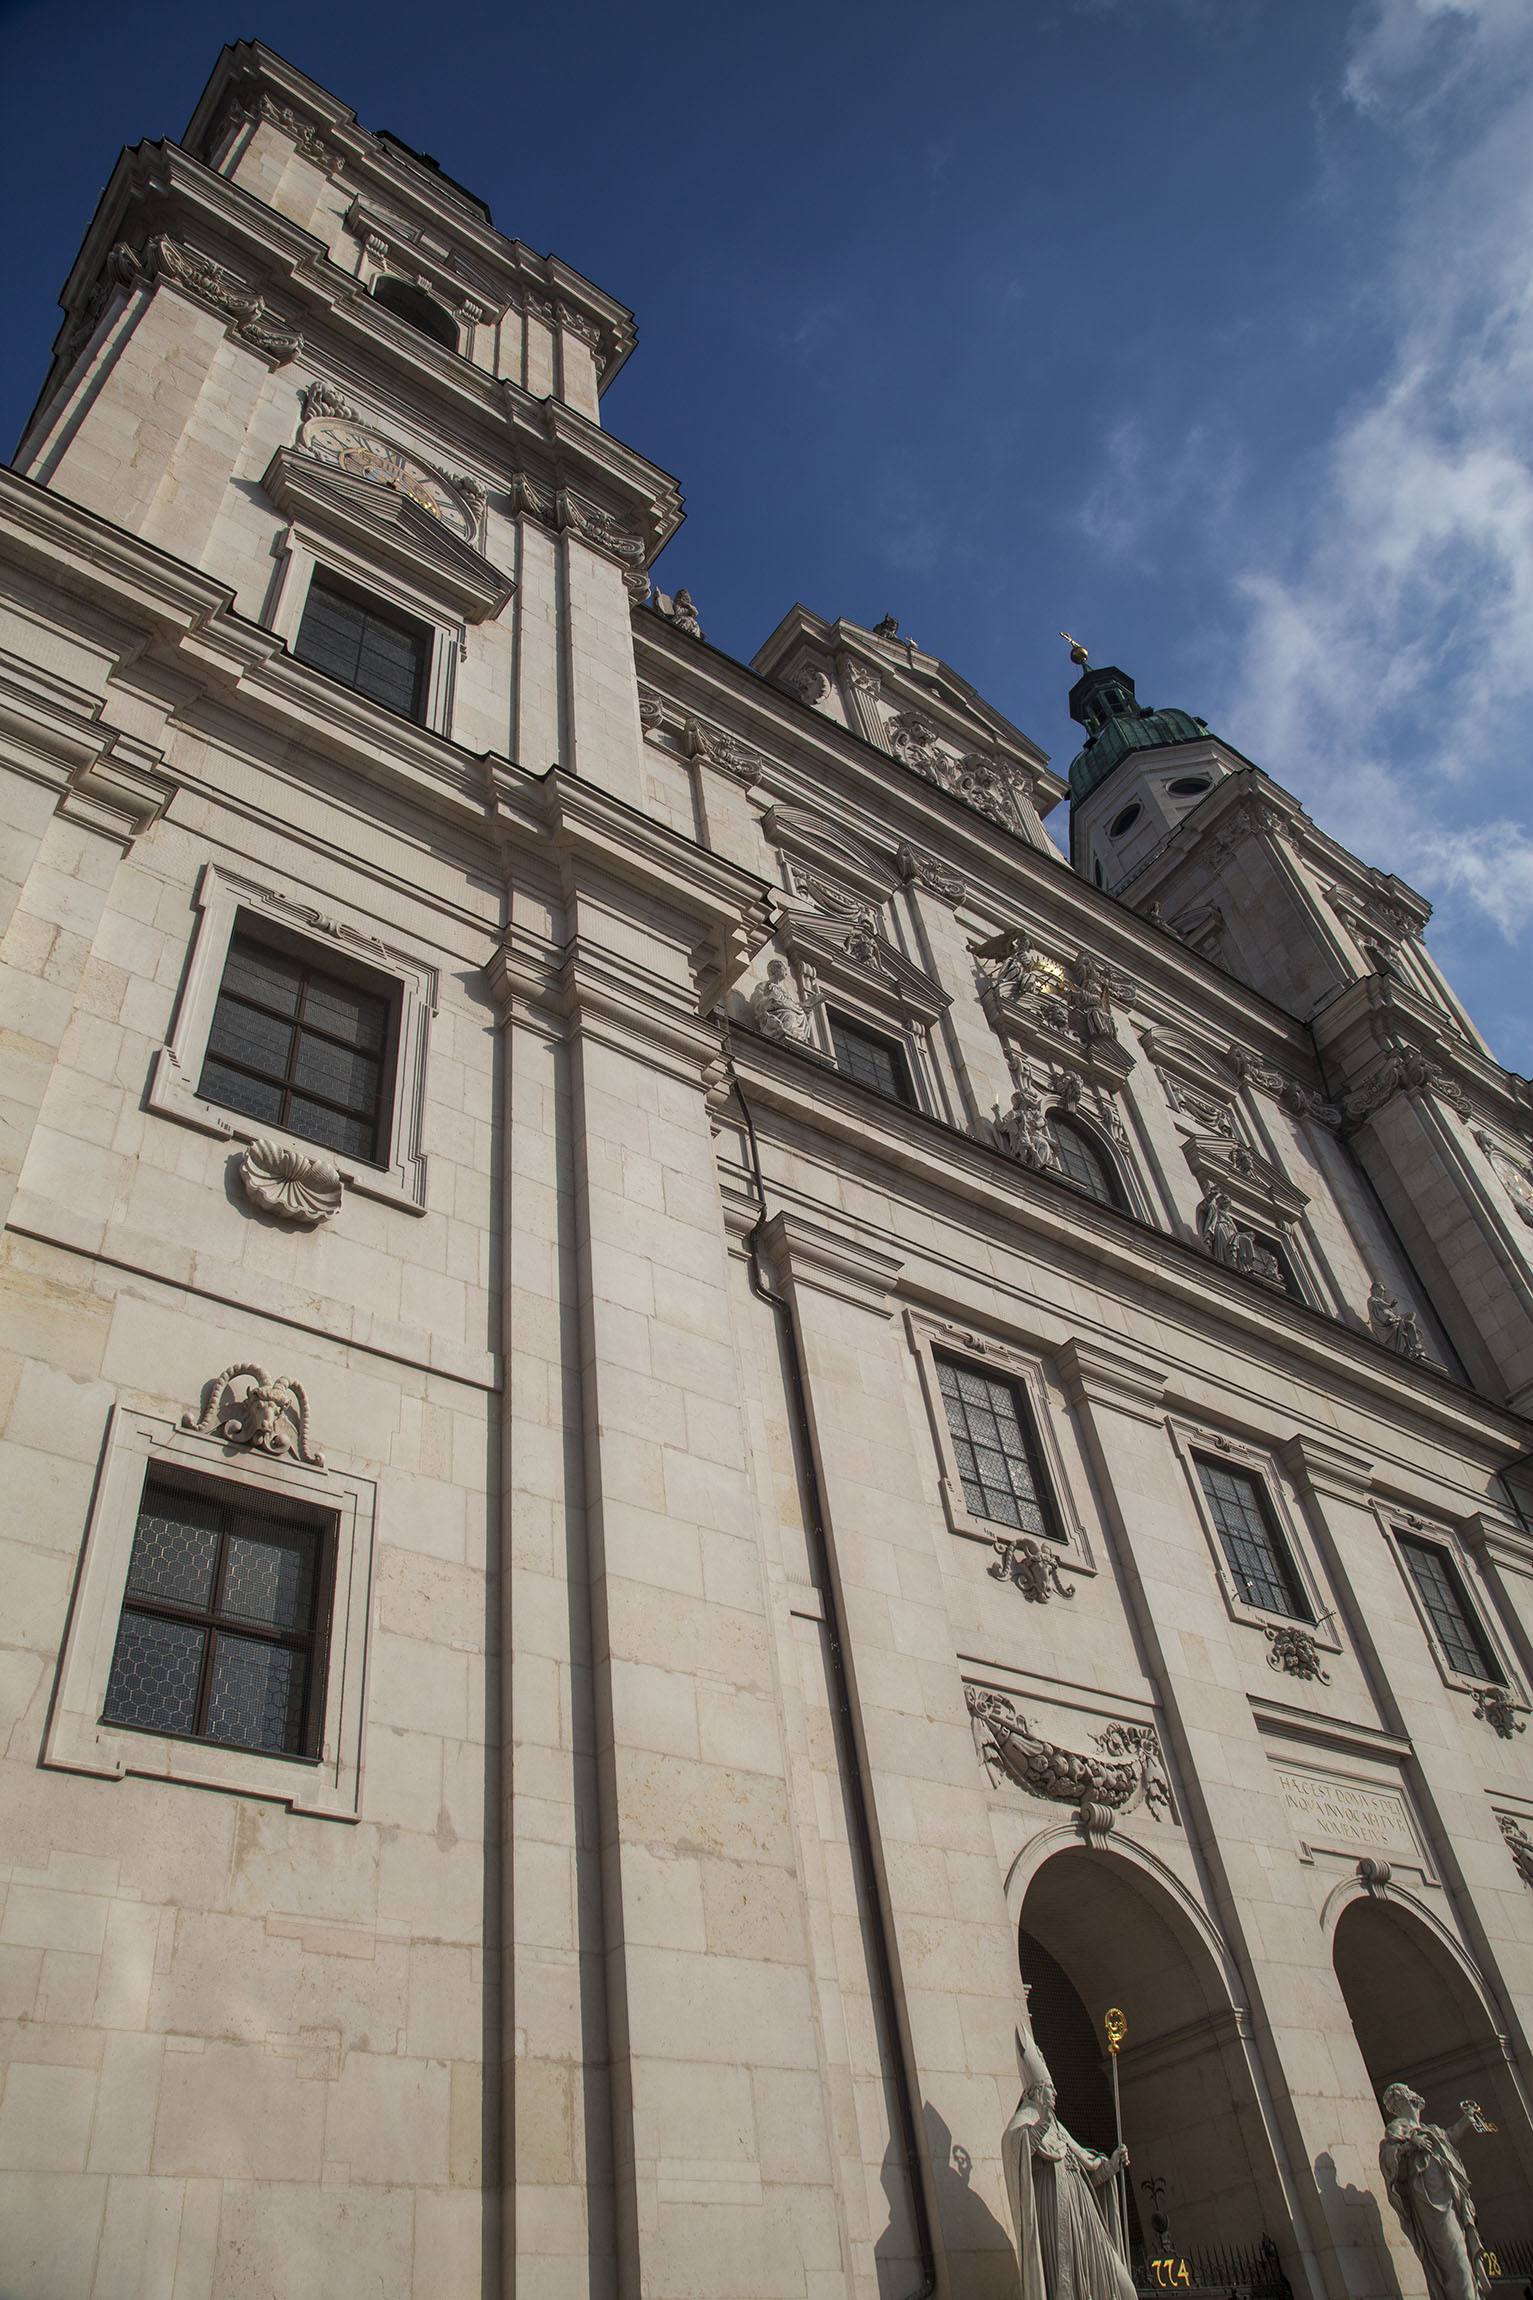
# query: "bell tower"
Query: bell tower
{"points": [[1136, 775]]}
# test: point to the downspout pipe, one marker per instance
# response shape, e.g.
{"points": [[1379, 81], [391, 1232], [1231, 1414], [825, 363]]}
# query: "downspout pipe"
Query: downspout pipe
{"points": [[860, 1818]]}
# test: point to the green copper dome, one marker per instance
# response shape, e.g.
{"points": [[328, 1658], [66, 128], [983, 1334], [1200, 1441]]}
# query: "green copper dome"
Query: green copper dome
{"points": [[1103, 702]]}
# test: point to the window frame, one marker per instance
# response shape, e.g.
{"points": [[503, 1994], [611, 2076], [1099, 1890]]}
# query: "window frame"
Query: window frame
{"points": [[308, 550], [892, 1040], [385, 278], [382, 609], [1117, 1200], [1398, 1529], [79, 1739], [932, 1338], [225, 901], [1215, 1446]]}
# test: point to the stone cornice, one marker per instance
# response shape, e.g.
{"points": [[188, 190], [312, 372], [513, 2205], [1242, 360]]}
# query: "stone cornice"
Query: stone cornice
{"points": [[109, 781], [976, 1183], [803, 1252], [1099, 1376]]}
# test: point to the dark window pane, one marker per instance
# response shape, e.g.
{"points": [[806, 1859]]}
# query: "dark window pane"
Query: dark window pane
{"points": [[175, 1548], [1263, 1572], [1465, 1646], [337, 1073], [269, 1577], [269, 977], [364, 645], [255, 1041], [331, 1129], [1081, 1163], [871, 1059], [155, 1673], [996, 1449], [256, 1697], [254, 1097], [356, 1017]]}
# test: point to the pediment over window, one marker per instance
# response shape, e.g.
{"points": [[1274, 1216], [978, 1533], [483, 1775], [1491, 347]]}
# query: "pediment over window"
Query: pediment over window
{"points": [[383, 520], [1196, 1083], [826, 846], [1260, 1192], [843, 940]]}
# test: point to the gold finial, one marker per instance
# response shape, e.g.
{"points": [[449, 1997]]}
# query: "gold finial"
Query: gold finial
{"points": [[1078, 653], [1117, 2029]]}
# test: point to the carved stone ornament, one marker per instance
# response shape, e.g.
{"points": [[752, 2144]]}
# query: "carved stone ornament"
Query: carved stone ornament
{"points": [[527, 499], [292, 1184], [1230, 1244], [810, 682], [981, 782], [1293, 1650], [718, 749], [925, 871], [651, 709], [1029, 1565], [1299, 1101], [1404, 1070], [780, 1008], [1399, 1330], [864, 678], [1499, 1711], [321, 398], [1128, 1771], [1519, 1844], [1515, 1177], [1023, 1130], [272, 1416], [600, 528], [248, 316], [248, 104]]}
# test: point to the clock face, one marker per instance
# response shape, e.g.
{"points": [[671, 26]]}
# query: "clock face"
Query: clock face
{"points": [[368, 455]]}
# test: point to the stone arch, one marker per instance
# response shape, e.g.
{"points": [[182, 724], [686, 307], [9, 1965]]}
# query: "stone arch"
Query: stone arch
{"points": [[1421, 2014], [1123, 1931]]}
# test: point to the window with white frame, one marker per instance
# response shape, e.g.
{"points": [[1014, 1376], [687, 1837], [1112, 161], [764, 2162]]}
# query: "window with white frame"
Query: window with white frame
{"points": [[219, 1631], [294, 1023]]}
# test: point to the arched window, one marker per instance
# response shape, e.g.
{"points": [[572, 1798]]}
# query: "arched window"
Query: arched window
{"points": [[417, 309], [1082, 1163]]}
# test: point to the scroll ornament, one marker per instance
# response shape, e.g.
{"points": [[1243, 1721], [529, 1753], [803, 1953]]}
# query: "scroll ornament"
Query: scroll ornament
{"points": [[272, 1415], [1518, 1844], [290, 1183], [1129, 1770], [1030, 1565]]}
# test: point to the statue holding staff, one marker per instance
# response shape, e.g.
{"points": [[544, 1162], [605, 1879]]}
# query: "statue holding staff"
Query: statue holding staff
{"points": [[1064, 2248], [1429, 2188]]}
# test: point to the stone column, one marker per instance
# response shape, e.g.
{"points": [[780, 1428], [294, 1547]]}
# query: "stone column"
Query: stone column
{"points": [[943, 1907]]}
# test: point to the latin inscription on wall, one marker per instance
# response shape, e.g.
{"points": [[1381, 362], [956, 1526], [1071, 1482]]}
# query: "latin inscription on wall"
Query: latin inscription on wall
{"points": [[1330, 1814]]}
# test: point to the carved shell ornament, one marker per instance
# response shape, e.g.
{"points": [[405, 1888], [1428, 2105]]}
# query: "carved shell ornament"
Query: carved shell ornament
{"points": [[273, 1414], [290, 1183]]}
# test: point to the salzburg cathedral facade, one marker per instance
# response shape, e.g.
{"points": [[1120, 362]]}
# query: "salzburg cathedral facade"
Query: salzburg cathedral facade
{"points": [[700, 1445]]}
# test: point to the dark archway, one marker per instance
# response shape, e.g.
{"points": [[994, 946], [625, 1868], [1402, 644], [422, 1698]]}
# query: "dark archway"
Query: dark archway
{"points": [[1112, 1935], [1420, 2019], [419, 310]]}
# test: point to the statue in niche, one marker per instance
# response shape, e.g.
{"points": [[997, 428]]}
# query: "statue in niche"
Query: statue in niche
{"points": [[1065, 2248], [1023, 1130], [1427, 2185], [1399, 1330], [778, 1009]]}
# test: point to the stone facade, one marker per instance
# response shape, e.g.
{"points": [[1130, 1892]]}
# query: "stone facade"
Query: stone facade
{"points": [[698, 1743]]}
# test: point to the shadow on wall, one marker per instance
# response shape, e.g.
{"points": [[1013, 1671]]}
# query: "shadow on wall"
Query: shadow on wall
{"points": [[980, 2251], [1357, 2227]]}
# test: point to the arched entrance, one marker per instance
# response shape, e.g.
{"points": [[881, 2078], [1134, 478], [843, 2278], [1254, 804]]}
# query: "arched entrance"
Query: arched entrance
{"points": [[1419, 2018], [1097, 1930]]}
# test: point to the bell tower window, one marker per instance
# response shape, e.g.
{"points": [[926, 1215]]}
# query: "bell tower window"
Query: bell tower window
{"points": [[366, 645], [416, 309]]}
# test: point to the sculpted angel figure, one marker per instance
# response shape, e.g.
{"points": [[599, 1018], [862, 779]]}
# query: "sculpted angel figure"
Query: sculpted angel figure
{"points": [[778, 1009], [1056, 2189], [1399, 1330], [1427, 2185], [1022, 1131]]}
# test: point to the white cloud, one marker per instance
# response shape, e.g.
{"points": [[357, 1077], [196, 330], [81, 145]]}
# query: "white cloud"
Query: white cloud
{"points": [[1387, 661], [1146, 488]]}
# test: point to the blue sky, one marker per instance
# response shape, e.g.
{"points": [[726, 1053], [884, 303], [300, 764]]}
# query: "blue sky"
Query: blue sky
{"points": [[1201, 327]]}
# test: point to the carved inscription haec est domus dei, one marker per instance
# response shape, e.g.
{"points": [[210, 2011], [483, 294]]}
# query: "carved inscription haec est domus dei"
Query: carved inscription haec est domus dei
{"points": [[1346, 1817]]}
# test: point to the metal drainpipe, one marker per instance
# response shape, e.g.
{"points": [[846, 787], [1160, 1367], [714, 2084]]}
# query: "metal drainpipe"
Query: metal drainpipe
{"points": [[851, 1760]]}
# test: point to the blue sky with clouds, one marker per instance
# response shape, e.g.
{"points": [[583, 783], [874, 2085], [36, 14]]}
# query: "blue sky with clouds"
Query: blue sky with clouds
{"points": [[1201, 327]]}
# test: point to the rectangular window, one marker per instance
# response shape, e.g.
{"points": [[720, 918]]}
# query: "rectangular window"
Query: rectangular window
{"points": [[297, 1047], [1254, 1549], [1465, 1647], [366, 645], [997, 1449], [872, 1059], [220, 1622]]}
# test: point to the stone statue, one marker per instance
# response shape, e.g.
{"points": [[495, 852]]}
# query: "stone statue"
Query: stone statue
{"points": [[1399, 1330], [1064, 2248], [1429, 2188], [1229, 1243], [777, 1008], [1023, 1132]]}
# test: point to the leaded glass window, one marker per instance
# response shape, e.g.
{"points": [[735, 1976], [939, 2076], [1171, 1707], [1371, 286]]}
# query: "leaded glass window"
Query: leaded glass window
{"points": [[298, 1047], [365, 645], [1261, 1567], [1081, 1163], [1465, 1647], [871, 1059], [997, 1450], [220, 1621]]}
